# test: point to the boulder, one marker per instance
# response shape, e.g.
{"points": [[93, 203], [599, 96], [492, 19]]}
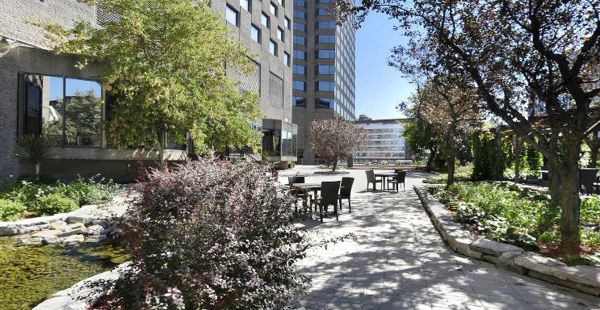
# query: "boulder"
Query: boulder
{"points": [[73, 239]]}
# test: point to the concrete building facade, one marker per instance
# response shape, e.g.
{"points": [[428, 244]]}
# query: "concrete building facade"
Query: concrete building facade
{"points": [[386, 141], [45, 93], [323, 70]]}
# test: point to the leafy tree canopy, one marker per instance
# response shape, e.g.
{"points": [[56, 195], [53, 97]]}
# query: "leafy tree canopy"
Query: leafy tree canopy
{"points": [[336, 139], [164, 62]]}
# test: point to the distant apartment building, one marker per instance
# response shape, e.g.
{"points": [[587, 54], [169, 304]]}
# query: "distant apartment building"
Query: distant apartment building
{"points": [[386, 141], [42, 92], [323, 70]]}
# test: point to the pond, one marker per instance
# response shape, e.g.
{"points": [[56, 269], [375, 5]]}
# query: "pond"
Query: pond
{"points": [[29, 275]]}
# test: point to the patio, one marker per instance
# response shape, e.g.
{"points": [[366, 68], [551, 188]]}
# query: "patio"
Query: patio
{"points": [[398, 261]]}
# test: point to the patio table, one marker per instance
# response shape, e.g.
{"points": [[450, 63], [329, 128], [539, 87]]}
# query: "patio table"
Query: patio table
{"points": [[384, 176]]}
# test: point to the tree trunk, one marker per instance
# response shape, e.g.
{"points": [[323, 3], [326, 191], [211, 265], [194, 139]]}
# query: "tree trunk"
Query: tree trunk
{"points": [[160, 142], [451, 163], [569, 222], [594, 157], [518, 143], [429, 165], [335, 161], [37, 169]]}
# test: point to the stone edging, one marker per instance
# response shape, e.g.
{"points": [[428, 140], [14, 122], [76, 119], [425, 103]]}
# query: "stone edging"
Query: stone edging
{"points": [[85, 292], [506, 256]]}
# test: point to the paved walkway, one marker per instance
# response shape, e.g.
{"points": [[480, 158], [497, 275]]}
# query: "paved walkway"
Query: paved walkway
{"points": [[398, 261]]}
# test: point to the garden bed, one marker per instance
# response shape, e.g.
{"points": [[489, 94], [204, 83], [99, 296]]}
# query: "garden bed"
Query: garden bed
{"points": [[27, 199]]}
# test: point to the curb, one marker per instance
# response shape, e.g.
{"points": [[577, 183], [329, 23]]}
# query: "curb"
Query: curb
{"points": [[582, 278]]}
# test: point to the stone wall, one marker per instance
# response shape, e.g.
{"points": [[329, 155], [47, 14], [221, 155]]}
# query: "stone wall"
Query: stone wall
{"points": [[506, 256]]}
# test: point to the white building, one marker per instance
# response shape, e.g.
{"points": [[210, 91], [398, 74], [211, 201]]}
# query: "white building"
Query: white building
{"points": [[386, 141]]}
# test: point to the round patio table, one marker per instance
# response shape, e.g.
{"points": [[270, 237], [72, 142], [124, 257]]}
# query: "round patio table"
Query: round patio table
{"points": [[384, 176]]}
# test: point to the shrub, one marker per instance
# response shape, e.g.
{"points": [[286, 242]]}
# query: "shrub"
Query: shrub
{"points": [[11, 210], [55, 203], [212, 235], [488, 157]]}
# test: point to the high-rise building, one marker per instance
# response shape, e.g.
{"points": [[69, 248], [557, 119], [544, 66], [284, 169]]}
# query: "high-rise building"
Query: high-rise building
{"points": [[323, 70]]}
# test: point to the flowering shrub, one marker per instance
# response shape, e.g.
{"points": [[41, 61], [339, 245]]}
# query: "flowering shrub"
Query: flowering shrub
{"points": [[211, 235]]}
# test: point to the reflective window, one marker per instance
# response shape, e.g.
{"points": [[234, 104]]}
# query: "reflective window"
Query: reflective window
{"points": [[298, 101], [325, 69], [326, 53], [245, 4], [264, 20], [255, 33], [280, 35], [325, 86], [287, 59], [325, 25], [325, 39], [298, 54], [299, 40], [299, 69], [322, 12], [286, 23], [299, 27], [299, 85], [65, 109], [273, 47], [301, 3], [324, 103], [300, 14], [231, 15]]}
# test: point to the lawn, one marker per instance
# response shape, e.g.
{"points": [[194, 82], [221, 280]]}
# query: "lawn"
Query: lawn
{"points": [[518, 216]]}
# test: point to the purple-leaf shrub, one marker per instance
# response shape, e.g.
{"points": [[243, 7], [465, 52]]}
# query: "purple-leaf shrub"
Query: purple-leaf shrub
{"points": [[212, 235]]}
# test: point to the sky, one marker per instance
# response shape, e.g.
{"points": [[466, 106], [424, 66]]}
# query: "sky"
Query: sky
{"points": [[379, 87]]}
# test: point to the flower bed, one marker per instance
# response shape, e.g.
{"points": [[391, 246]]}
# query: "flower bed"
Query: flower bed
{"points": [[27, 199], [519, 216]]}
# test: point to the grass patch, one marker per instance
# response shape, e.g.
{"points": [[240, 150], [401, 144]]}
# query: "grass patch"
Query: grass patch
{"points": [[519, 216]]}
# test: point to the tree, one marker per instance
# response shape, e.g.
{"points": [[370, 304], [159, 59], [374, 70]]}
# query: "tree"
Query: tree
{"points": [[593, 142], [336, 139], [164, 64], [514, 51], [450, 106], [422, 140]]}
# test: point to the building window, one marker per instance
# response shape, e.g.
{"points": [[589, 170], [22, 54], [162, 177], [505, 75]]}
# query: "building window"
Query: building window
{"points": [[264, 20], [245, 4], [67, 110], [299, 85], [298, 40], [231, 15], [325, 25], [326, 39], [275, 89], [286, 23], [324, 103], [322, 12], [255, 33], [281, 2], [273, 48], [325, 69], [299, 27], [298, 54], [298, 101], [273, 9], [287, 59], [299, 14], [301, 3], [280, 35], [325, 86], [326, 54], [299, 69]]}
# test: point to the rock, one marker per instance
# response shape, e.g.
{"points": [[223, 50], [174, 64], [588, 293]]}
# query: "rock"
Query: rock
{"points": [[95, 230], [46, 233], [95, 239], [73, 239], [8, 230], [50, 240], [59, 225], [494, 248], [29, 241]]}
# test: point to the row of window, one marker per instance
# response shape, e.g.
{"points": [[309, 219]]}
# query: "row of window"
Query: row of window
{"points": [[320, 103], [302, 3], [321, 69], [319, 85], [319, 54]]}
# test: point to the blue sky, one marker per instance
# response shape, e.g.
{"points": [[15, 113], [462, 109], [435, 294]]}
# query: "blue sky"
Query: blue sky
{"points": [[379, 87]]}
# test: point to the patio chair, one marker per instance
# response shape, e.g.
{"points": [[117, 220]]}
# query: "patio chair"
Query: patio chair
{"points": [[329, 196], [345, 191], [399, 178], [372, 179], [587, 177], [297, 193]]}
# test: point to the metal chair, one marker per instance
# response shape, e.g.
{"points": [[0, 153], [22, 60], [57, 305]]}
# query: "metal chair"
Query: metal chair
{"points": [[372, 179], [345, 192], [399, 178], [329, 196]]}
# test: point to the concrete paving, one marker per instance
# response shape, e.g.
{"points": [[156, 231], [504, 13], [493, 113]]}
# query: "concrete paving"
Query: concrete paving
{"points": [[398, 261]]}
